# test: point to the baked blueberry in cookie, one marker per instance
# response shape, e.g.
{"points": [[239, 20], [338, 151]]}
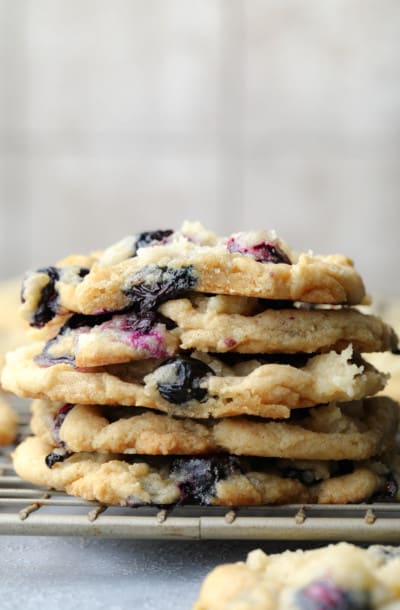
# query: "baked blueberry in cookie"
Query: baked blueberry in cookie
{"points": [[150, 238], [46, 307], [389, 490], [325, 595], [153, 285], [179, 379], [43, 294], [262, 252], [197, 477], [58, 455]]}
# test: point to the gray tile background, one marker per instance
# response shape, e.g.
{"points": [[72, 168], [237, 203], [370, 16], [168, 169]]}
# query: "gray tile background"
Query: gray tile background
{"points": [[136, 114]]}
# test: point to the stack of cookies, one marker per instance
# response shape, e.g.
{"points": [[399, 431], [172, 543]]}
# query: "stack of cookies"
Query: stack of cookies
{"points": [[179, 367]]}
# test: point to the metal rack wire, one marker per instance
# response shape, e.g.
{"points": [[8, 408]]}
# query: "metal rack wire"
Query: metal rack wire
{"points": [[30, 510]]}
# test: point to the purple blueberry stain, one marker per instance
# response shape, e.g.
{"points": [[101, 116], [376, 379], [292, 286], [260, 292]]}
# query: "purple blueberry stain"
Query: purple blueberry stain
{"points": [[326, 595], [58, 421], [153, 285], [152, 344], [144, 333], [183, 378], [263, 252], [230, 342]]}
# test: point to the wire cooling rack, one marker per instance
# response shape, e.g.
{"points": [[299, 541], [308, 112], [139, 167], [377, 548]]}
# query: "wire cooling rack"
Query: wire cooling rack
{"points": [[30, 510]]}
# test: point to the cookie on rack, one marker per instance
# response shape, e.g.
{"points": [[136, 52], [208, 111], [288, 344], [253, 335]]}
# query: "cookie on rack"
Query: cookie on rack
{"points": [[337, 576], [143, 273], [213, 480], [216, 324], [200, 385], [8, 422], [353, 431]]}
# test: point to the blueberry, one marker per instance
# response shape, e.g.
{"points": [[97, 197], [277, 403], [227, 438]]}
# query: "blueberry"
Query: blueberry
{"points": [[47, 303], [151, 238], [389, 490], [153, 285], [79, 320], [83, 271], [186, 376], [325, 595], [197, 477], [263, 252], [56, 456], [143, 324]]}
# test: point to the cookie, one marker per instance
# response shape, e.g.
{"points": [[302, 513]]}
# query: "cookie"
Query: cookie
{"points": [[92, 341], [214, 480], [355, 431], [145, 275], [337, 576], [212, 324], [8, 423], [216, 324], [197, 386]]}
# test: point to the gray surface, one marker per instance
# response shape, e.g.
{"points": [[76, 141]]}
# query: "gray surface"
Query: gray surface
{"points": [[64, 573]]}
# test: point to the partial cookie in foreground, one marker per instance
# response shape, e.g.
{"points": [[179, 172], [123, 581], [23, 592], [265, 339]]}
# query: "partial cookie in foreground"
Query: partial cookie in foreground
{"points": [[144, 276], [8, 423], [336, 577], [198, 386], [213, 324], [355, 431], [217, 481]]}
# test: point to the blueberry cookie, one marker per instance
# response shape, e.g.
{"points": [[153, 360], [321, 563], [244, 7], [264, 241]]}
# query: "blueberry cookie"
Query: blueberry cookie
{"points": [[92, 341], [335, 577], [212, 324], [8, 423], [199, 385], [353, 431], [222, 324], [144, 272], [209, 480]]}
